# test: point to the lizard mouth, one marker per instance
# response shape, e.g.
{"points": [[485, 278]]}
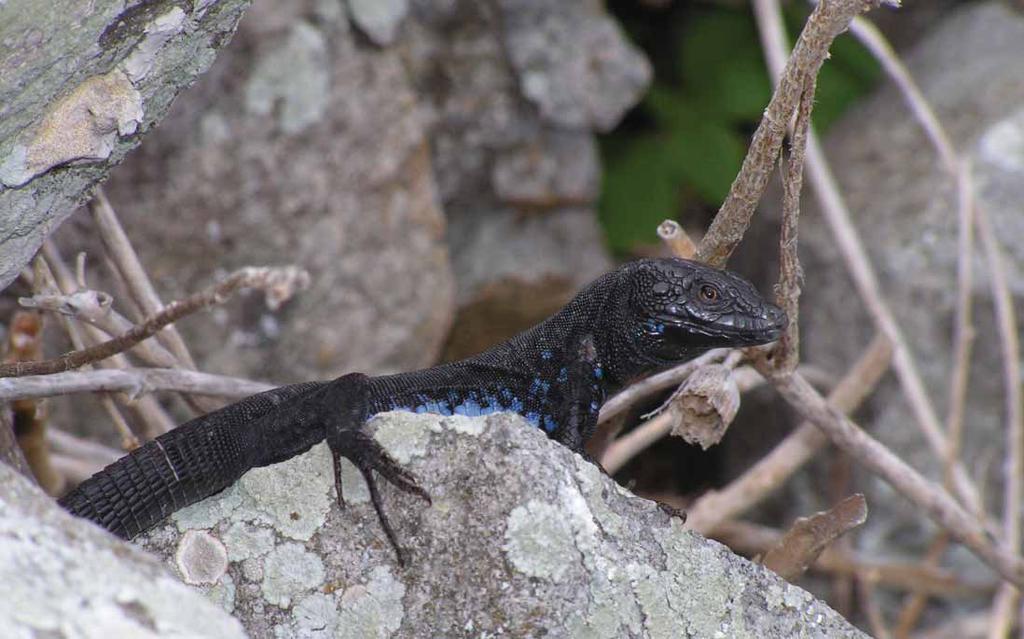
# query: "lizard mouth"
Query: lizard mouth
{"points": [[727, 329]]}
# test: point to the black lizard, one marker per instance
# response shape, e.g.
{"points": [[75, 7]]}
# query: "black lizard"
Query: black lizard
{"points": [[645, 316]]}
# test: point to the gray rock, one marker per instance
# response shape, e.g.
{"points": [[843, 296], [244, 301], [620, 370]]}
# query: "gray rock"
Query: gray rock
{"points": [[523, 538], [378, 19], [904, 205], [79, 85], [573, 62], [300, 146], [65, 577]]}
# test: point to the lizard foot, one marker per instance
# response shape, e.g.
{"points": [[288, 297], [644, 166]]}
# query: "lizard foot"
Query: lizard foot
{"points": [[368, 456]]}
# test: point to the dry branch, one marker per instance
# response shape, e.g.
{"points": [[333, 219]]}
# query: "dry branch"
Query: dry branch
{"points": [[827, 21], [133, 381], [874, 456], [279, 284], [120, 249], [764, 477], [808, 537]]}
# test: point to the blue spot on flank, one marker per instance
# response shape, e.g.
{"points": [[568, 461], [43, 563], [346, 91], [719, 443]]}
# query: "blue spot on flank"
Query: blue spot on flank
{"points": [[548, 424], [598, 372], [594, 407], [546, 354], [538, 386], [533, 418], [563, 374]]}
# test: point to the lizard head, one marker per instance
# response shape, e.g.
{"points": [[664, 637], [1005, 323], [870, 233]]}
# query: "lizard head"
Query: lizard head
{"points": [[680, 308]]}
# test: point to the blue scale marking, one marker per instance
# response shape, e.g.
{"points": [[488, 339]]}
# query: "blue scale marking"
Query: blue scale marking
{"points": [[473, 405]]}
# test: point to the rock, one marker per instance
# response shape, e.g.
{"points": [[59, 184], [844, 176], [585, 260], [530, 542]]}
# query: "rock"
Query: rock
{"points": [[523, 538], [904, 205], [378, 19], [519, 183], [65, 577], [573, 62], [301, 146], [80, 84]]}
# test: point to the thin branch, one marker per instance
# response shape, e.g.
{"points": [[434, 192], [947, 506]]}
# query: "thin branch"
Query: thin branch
{"points": [[1013, 488], [676, 239], [826, 21], [753, 539], [152, 415], [657, 383], [276, 281], [850, 246], [72, 445], [875, 42], [878, 459], [133, 381], [715, 507], [790, 274], [866, 589], [130, 267]]}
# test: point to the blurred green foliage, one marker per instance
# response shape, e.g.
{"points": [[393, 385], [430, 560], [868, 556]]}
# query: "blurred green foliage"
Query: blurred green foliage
{"points": [[682, 146]]}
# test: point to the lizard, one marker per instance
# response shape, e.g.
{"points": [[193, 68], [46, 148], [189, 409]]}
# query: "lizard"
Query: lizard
{"points": [[643, 317]]}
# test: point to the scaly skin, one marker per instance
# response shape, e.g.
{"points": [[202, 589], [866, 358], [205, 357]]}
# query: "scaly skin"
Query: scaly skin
{"points": [[645, 316]]}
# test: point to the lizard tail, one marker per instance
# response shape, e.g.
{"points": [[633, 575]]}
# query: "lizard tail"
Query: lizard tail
{"points": [[198, 459]]}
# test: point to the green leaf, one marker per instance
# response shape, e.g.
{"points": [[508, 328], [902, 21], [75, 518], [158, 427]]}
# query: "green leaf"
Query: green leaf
{"points": [[638, 192]]}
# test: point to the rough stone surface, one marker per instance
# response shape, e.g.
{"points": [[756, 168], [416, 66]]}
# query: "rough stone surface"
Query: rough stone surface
{"points": [[80, 83], [511, 171], [904, 205], [310, 143], [302, 145], [523, 538], [64, 577]]}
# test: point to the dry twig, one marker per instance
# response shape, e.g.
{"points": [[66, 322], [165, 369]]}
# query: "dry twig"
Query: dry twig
{"points": [[278, 283], [881, 461], [133, 381], [753, 539], [120, 249], [764, 477], [809, 536], [827, 21]]}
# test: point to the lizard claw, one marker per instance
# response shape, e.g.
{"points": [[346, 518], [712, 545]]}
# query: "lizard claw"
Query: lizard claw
{"points": [[368, 456]]}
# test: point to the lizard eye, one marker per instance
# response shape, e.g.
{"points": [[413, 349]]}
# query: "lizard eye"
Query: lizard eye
{"points": [[709, 293]]}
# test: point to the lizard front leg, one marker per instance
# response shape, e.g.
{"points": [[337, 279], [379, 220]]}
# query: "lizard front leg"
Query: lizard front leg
{"points": [[582, 396]]}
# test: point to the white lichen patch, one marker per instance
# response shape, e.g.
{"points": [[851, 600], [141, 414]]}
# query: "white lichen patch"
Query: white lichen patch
{"points": [[244, 541], [80, 127], [222, 593], [290, 571], [373, 610], [292, 80], [540, 541], [200, 558], [404, 435], [353, 484], [140, 61], [292, 497], [315, 617], [464, 425]]}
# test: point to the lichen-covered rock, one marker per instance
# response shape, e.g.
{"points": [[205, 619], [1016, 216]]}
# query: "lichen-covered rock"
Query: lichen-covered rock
{"points": [[80, 82], [64, 577], [304, 145], [523, 538]]}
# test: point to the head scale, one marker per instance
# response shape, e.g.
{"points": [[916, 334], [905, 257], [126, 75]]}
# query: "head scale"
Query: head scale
{"points": [[681, 308]]}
